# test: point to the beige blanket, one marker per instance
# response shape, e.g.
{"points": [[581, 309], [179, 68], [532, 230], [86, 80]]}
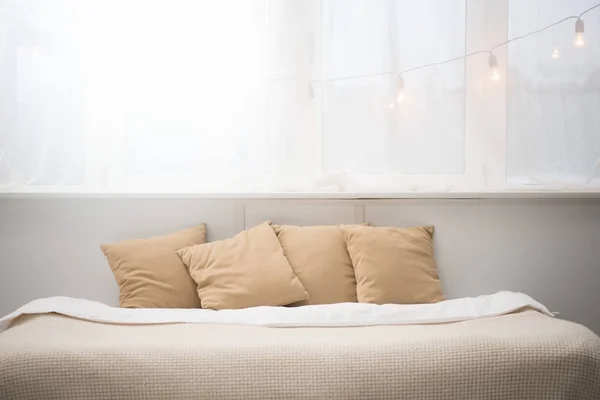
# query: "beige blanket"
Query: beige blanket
{"points": [[520, 356]]}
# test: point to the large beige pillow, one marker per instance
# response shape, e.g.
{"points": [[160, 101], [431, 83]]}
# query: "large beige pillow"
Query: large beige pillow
{"points": [[247, 270], [393, 265], [319, 258], [149, 272]]}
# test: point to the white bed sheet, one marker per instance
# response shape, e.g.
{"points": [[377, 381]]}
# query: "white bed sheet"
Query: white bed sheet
{"points": [[331, 315]]}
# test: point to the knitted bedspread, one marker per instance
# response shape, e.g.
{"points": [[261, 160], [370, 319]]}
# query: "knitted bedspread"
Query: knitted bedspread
{"points": [[524, 355]]}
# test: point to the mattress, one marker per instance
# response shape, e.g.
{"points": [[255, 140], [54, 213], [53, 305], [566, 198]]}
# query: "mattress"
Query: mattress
{"points": [[482, 349]]}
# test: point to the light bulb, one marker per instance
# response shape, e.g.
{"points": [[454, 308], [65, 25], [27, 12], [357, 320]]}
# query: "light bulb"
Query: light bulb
{"points": [[400, 90], [579, 30], [494, 71], [392, 105], [495, 75], [555, 53]]}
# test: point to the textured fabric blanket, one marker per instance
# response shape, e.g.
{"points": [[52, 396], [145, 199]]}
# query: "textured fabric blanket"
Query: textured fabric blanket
{"points": [[524, 355]]}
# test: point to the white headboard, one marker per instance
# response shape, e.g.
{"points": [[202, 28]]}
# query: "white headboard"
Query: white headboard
{"points": [[546, 247]]}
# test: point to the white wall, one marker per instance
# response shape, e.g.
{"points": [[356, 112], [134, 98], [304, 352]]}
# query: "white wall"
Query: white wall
{"points": [[547, 248]]}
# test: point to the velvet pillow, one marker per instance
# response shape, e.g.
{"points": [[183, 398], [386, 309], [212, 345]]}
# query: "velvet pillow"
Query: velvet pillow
{"points": [[319, 258], [247, 270], [149, 272], [393, 265]]}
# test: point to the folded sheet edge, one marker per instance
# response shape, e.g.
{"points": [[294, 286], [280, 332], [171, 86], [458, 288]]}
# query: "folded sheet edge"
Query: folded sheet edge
{"points": [[330, 315]]}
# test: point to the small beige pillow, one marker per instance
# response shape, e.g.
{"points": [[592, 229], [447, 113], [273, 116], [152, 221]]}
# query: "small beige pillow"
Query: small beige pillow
{"points": [[247, 270], [394, 265], [319, 258], [149, 272]]}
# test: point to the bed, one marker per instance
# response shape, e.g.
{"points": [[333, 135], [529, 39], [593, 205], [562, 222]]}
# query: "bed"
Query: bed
{"points": [[502, 346]]}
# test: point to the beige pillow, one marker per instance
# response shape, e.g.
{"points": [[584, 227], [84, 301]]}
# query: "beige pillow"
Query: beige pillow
{"points": [[393, 265], [247, 270], [319, 258], [149, 272]]}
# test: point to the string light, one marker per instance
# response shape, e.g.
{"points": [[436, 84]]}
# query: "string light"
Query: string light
{"points": [[400, 90], [399, 94], [492, 59], [494, 72], [579, 30]]}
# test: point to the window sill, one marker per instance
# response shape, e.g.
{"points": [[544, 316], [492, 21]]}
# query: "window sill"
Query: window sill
{"points": [[515, 194]]}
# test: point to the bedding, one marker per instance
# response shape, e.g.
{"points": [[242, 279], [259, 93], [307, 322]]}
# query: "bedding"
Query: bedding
{"points": [[393, 265], [319, 258], [247, 270], [149, 272], [501, 346]]}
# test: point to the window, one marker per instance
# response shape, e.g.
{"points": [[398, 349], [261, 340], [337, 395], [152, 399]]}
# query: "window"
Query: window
{"points": [[553, 131], [424, 134], [296, 95]]}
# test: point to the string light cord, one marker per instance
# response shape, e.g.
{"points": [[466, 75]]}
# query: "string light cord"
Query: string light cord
{"points": [[588, 10], [400, 72], [489, 52], [446, 61], [534, 32]]}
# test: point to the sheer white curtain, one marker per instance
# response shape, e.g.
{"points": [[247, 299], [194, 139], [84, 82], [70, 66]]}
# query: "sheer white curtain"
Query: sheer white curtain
{"points": [[553, 133], [239, 95], [134, 94]]}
